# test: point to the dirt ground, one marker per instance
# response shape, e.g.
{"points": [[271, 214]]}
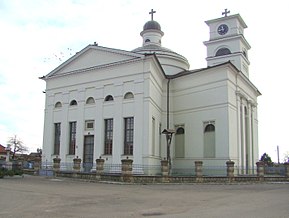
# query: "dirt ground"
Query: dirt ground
{"points": [[33, 196]]}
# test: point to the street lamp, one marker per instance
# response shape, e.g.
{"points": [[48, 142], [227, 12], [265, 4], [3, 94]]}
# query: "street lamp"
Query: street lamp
{"points": [[169, 135]]}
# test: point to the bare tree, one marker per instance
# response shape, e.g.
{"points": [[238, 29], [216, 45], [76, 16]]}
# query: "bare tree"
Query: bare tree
{"points": [[286, 156], [17, 146]]}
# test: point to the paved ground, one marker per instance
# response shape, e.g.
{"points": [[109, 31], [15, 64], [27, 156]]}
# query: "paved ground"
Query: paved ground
{"points": [[46, 197]]}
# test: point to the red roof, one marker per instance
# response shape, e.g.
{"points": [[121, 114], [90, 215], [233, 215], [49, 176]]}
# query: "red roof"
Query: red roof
{"points": [[2, 149]]}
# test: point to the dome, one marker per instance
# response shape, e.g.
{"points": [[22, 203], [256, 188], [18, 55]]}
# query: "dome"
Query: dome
{"points": [[171, 61], [159, 51], [152, 25]]}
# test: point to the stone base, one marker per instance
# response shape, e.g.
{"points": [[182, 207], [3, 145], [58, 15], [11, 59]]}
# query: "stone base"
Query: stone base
{"points": [[127, 178], [199, 179]]}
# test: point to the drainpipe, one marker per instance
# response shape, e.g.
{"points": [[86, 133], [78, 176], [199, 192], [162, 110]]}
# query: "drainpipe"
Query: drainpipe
{"points": [[168, 104], [168, 126]]}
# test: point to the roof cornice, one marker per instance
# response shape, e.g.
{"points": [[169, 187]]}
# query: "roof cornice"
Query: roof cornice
{"points": [[92, 68], [96, 47]]}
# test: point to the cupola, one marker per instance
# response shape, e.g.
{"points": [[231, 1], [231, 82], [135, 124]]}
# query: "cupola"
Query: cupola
{"points": [[152, 34]]}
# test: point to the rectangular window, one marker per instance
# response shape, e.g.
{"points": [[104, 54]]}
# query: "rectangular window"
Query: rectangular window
{"points": [[72, 137], [128, 135], [89, 124], [108, 135], [57, 133]]}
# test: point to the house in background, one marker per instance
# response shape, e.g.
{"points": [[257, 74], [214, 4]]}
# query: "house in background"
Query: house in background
{"points": [[3, 152], [115, 104]]}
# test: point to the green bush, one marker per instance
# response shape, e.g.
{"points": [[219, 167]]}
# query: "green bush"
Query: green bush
{"points": [[6, 172], [10, 173], [18, 172], [1, 174]]}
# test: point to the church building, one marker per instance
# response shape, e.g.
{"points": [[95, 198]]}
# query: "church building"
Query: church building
{"points": [[147, 104]]}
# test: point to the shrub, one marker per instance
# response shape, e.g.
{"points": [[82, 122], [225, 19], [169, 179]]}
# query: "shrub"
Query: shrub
{"points": [[10, 173], [1, 174], [18, 172]]}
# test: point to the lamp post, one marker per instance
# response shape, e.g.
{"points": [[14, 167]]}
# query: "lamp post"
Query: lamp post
{"points": [[169, 135]]}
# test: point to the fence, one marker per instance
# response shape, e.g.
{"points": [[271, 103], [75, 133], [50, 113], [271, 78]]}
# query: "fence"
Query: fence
{"points": [[156, 170], [127, 171]]}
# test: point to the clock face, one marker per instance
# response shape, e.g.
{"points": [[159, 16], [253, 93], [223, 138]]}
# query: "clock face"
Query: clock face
{"points": [[223, 29]]}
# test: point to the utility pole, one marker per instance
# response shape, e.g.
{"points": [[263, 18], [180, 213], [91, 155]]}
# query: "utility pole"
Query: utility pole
{"points": [[278, 154]]}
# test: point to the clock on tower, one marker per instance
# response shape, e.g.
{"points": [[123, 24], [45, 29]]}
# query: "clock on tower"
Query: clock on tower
{"points": [[223, 29]]}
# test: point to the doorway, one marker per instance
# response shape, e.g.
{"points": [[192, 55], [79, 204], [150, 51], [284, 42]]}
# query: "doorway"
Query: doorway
{"points": [[88, 153]]}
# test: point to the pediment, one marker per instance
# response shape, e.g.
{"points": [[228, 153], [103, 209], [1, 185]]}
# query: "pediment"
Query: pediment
{"points": [[93, 56]]}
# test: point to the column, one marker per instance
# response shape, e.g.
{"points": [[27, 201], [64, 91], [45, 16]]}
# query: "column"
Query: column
{"points": [[141, 136], [165, 167], [118, 131], [239, 129], [99, 166], [199, 171], [126, 170], [260, 170], [99, 123], [64, 136], [243, 136], [56, 165], [141, 129], [230, 170], [48, 133], [254, 128], [249, 138], [80, 124], [76, 164]]}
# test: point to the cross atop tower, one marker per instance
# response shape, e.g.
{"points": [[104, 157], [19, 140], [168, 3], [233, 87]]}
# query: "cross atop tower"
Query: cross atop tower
{"points": [[226, 12], [152, 14]]}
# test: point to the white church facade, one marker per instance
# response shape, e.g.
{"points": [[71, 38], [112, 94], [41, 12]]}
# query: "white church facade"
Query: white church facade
{"points": [[115, 104]]}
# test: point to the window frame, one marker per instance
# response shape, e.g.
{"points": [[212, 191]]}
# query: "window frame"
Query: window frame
{"points": [[57, 135], [90, 100], [58, 105], [108, 98], [108, 136], [128, 135], [72, 137], [73, 103], [86, 125], [128, 95]]}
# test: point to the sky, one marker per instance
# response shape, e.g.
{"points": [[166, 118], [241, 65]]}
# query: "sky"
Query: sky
{"points": [[37, 36]]}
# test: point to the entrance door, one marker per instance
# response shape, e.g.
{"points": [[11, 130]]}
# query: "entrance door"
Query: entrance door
{"points": [[88, 153]]}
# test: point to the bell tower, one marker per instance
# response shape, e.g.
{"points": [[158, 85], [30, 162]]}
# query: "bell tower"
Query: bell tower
{"points": [[227, 42]]}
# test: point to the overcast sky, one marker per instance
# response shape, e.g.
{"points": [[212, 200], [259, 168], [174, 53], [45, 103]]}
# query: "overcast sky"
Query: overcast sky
{"points": [[37, 36]]}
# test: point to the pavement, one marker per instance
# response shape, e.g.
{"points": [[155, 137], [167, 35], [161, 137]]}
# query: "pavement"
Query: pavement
{"points": [[35, 196]]}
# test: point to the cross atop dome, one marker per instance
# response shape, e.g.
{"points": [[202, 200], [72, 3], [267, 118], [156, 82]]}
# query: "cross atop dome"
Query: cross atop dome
{"points": [[152, 14]]}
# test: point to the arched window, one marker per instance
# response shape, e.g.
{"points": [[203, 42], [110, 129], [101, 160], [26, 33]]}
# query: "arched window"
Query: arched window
{"points": [[180, 143], [73, 103], [147, 40], [108, 98], [128, 95], [180, 131], [209, 141], [223, 51], [210, 128], [58, 105], [90, 100]]}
